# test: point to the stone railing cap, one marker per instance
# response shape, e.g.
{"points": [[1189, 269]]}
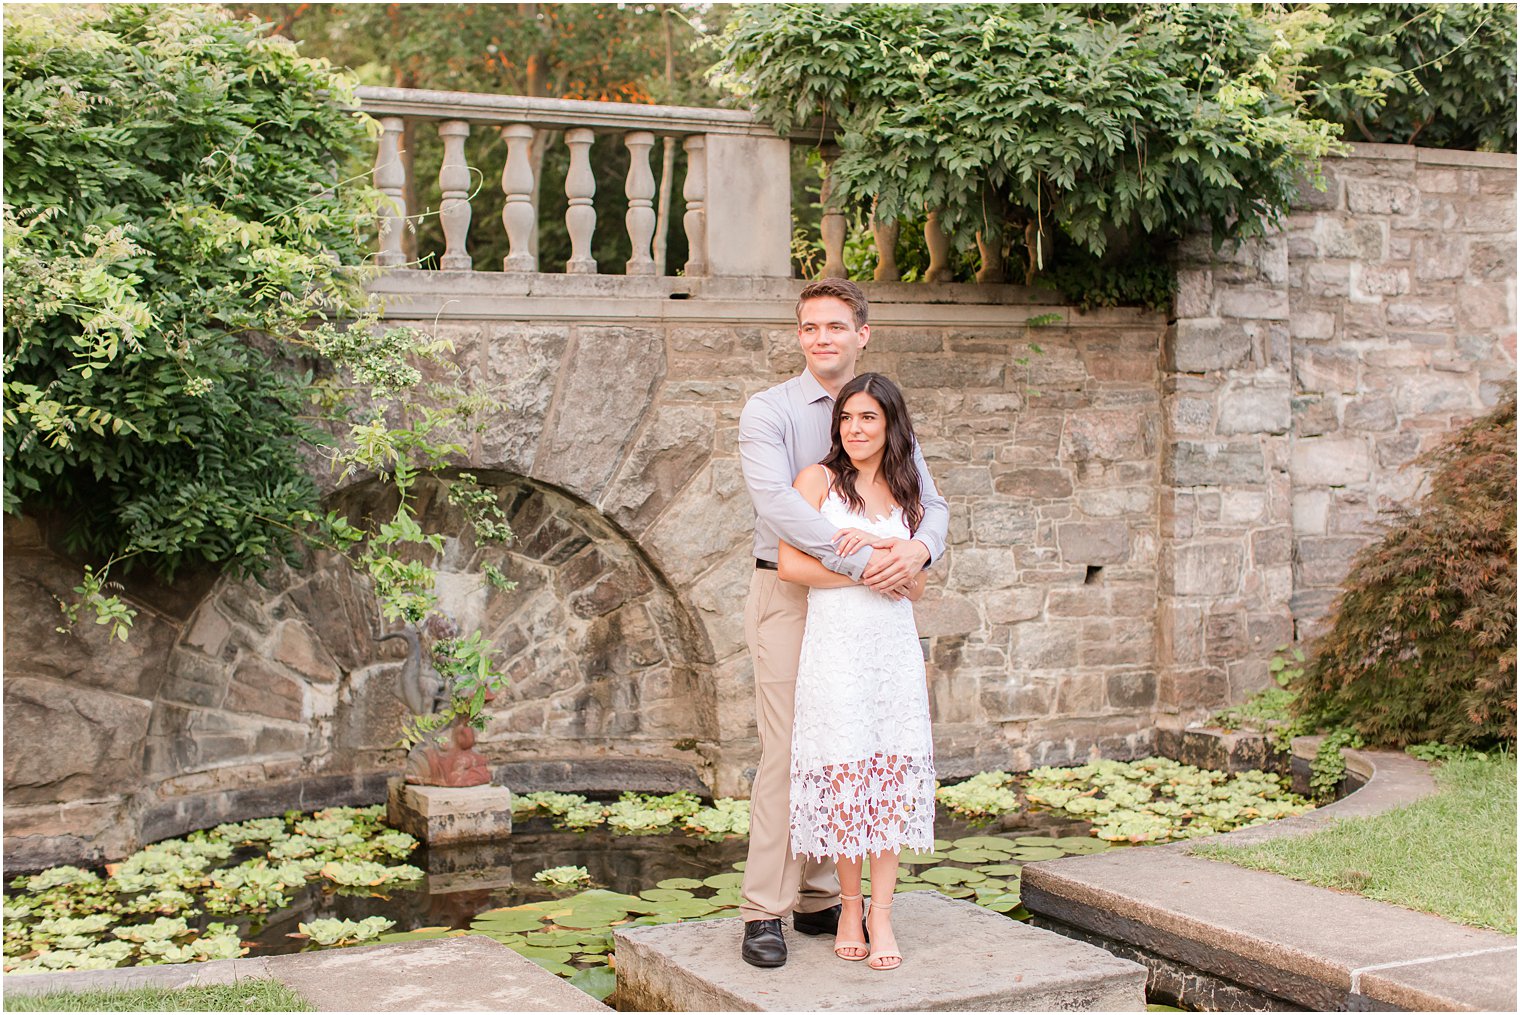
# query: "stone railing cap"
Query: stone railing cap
{"points": [[483, 108]]}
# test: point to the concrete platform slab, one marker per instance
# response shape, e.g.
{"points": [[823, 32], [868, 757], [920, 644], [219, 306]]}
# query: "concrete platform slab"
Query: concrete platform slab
{"points": [[1483, 981], [1281, 937], [470, 973], [957, 957]]}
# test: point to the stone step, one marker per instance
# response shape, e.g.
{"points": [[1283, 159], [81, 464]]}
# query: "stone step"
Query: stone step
{"points": [[470, 973], [957, 957]]}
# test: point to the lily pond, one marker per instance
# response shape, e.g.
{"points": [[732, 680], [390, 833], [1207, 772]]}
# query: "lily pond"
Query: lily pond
{"points": [[571, 871]]}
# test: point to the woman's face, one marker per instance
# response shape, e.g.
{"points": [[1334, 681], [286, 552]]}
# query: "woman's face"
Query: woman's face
{"points": [[862, 427]]}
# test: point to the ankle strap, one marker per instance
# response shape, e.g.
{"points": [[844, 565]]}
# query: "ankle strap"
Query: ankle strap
{"points": [[848, 898], [884, 903]]}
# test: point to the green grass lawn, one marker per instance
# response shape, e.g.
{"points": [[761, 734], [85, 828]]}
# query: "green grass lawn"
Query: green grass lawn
{"points": [[245, 995], [1451, 854]]}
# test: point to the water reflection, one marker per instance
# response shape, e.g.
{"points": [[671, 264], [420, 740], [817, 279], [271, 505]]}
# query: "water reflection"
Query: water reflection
{"points": [[464, 881]]}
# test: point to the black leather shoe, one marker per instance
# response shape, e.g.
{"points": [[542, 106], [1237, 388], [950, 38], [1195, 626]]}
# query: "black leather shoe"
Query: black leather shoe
{"points": [[763, 944], [825, 921]]}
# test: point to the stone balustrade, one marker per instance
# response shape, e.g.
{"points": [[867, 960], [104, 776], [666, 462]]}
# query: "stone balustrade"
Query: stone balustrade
{"points": [[737, 187], [738, 193]]}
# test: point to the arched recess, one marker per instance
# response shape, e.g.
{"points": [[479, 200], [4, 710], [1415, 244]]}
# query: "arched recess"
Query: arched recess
{"points": [[286, 684]]}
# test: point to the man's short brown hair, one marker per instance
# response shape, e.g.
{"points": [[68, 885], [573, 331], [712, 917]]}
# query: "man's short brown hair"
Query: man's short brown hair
{"points": [[841, 289]]}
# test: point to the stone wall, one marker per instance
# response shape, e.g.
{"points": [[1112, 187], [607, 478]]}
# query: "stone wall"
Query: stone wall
{"points": [[1141, 511]]}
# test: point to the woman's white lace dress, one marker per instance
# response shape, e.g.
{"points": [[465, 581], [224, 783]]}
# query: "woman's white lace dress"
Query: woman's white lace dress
{"points": [[862, 754]]}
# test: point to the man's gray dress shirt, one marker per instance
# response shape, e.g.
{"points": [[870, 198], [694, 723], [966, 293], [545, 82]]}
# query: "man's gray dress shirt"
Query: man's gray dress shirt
{"points": [[782, 431]]}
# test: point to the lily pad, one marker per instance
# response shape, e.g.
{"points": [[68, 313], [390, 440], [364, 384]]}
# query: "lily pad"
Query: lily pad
{"points": [[921, 858], [941, 876], [940, 845], [1081, 845], [963, 855], [598, 982], [682, 883], [500, 921], [1034, 853], [665, 894], [546, 954], [724, 881], [957, 891], [1001, 870], [988, 842], [1004, 903]]}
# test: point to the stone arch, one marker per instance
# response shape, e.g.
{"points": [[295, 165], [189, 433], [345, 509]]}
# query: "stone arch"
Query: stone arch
{"points": [[285, 684]]}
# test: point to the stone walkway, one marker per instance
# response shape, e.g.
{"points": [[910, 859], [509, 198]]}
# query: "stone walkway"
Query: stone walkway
{"points": [[1227, 938], [958, 957], [470, 973]]}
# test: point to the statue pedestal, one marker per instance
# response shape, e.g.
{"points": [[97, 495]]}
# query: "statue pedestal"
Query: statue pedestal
{"points": [[446, 815]]}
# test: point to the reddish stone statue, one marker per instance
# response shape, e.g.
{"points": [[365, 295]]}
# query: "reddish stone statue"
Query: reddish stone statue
{"points": [[455, 763]]}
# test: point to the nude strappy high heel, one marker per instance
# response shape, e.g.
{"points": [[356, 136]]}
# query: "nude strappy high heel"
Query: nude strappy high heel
{"points": [[852, 944], [884, 958]]}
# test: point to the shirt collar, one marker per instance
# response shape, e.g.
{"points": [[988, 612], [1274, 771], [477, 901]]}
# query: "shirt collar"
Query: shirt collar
{"points": [[811, 389]]}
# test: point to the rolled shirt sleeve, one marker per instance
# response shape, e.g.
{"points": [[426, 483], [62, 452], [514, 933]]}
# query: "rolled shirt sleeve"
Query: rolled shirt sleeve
{"points": [[768, 473], [935, 526]]}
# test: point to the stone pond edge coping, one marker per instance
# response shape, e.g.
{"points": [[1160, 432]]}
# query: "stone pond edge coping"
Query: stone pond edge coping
{"points": [[1390, 779], [468, 973]]}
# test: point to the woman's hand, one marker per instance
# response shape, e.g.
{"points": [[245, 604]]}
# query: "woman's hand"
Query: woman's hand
{"points": [[850, 540]]}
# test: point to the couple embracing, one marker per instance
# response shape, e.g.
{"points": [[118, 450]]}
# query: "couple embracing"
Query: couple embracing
{"points": [[847, 518]]}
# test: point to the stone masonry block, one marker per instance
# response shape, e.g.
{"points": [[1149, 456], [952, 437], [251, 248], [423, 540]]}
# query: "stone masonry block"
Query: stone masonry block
{"points": [[1214, 463], [1093, 543], [1204, 344], [1202, 569], [1325, 461], [1261, 409], [447, 815]]}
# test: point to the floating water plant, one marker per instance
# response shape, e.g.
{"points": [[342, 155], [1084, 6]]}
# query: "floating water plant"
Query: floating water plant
{"points": [[563, 877], [1156, 799], [68, 918], [344, 932], [980, 798], [639, 813]]}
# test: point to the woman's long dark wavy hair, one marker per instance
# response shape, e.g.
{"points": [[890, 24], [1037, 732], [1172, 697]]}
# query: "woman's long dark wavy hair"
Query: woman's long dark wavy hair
{"points": [[897, 458]]}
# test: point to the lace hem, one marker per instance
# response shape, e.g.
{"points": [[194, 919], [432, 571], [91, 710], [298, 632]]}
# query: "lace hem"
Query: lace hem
{"points": [[880, 804]]}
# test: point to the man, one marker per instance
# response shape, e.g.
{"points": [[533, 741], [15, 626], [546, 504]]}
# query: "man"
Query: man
{"points": [[782, 431]]}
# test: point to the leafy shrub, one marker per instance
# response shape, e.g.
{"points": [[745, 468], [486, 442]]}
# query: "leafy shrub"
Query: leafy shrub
{"points": [[1107, 122], [1422, 643], [170, 200], [1433, 74]]}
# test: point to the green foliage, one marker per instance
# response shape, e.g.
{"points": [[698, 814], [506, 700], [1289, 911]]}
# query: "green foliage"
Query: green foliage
{"points": [[169, 199], [68, 918], [1106, 122], [1434, 74], [1328, 767], [1157, 799], [1422, 642], [982, 797], [562, 877], [639, 813], [345, 932]]}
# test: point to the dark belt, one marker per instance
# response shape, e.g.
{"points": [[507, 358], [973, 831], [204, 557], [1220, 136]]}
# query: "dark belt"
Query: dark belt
{"points": [[765, 565]]}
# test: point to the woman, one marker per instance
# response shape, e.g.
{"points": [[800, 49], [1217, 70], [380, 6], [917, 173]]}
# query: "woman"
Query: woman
{"points": [[862, 755]]}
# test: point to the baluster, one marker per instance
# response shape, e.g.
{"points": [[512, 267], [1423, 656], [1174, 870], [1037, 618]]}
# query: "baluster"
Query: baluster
{"points": [[694, 190], [990, 244], [640, 190], [885, 234], [518, 214], [832, 228], [390, 180], [939, 250], [580, 187], [454, 180]]}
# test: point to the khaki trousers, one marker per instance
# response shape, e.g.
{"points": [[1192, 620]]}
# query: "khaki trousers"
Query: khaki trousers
{"points": [[775, 881]]}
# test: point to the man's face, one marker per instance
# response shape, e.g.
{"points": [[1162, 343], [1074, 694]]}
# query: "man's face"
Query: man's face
{"points": [[829, 339]]}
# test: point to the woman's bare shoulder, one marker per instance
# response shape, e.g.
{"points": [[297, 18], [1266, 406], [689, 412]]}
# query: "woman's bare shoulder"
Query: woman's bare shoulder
{"points": [[813, 483]]}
